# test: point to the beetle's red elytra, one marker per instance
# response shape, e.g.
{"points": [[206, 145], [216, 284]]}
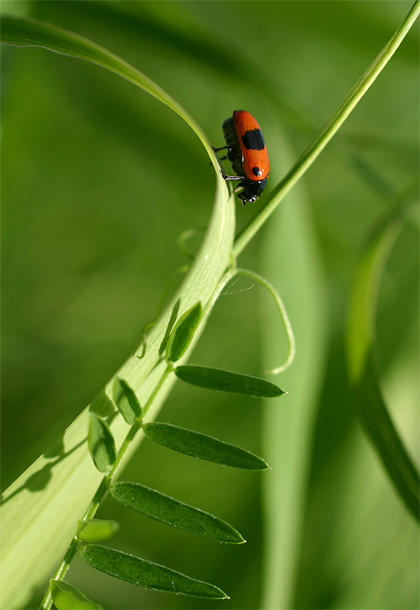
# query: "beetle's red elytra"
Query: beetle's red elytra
{"points": [[247, 152]]}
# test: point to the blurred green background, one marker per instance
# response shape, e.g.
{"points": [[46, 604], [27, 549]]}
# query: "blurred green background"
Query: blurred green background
{"points": [[99, 180]]}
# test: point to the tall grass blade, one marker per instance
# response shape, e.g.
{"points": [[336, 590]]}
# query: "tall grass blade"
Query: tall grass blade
{"points": [[63, 485], [363, 369], [26, 32]]}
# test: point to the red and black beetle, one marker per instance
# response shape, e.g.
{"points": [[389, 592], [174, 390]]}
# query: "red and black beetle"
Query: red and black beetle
{"points": [[248, 154]]}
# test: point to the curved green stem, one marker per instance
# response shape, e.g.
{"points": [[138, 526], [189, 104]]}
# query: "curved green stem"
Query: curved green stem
{"points": [[283, 313], [314, 150]]}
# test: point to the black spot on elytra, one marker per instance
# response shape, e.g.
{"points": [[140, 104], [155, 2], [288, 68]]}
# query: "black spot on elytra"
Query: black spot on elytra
{"points": [[256, 171], [253, 140]]}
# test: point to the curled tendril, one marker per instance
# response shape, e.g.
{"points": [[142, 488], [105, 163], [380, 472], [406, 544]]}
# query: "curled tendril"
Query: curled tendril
{"points": [[280, 305], [184, 237]]}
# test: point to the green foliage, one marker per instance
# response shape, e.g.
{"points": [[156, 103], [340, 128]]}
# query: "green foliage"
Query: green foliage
{"points": [[95, 530], [98, 181], [363, 366], [183, 333], [101, 444], [202, 446], [146, 574], [226, 381], [156, 505], [203, 276], [126, 402], [67, 597]]}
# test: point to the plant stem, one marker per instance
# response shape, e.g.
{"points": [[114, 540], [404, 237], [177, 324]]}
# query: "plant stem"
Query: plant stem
{"points": [[314, 150], [243, 238], [102, 491]]}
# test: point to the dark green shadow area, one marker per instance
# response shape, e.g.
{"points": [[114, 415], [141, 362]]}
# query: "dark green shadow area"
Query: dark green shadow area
{"points": [[102, 406]]}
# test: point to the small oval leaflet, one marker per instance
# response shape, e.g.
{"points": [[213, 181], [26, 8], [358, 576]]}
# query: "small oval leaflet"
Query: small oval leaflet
{"points": [[183, 333], [158, 506], [202, 446], [101, 444], [67, 597], [95, 530], [146, 574], [126, 401], [227, 381]]}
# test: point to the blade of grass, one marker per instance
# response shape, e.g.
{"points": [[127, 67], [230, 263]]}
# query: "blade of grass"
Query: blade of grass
{"points": [[41, 508], [200, 284], [27, 32], [290, 252], [363, 368]]}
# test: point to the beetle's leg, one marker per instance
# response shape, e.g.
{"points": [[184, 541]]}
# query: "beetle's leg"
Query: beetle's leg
{"points": [[225, 177], [219, 148]]}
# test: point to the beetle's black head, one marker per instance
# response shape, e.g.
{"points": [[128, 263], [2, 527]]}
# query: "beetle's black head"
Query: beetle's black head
{"points": [[252, 190]]}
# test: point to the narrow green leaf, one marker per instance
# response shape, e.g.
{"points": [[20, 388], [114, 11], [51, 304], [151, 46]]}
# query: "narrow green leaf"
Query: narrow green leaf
{"points": [[126, 401], [156, 505], [183, 333], [146, 574], [101, 443], [67, 597], [27, 32], [362, 365], [202, 446], [379, 426], [26, 515], [95, 530], [226, 381]]}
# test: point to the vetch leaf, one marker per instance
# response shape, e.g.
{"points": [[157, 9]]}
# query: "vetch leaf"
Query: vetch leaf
{"points": [[183, 333], [126, 401], [101, 443], [67, 597], [146, 574], [158, 506], [202, 446], [95, 530], [226, 381]]}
